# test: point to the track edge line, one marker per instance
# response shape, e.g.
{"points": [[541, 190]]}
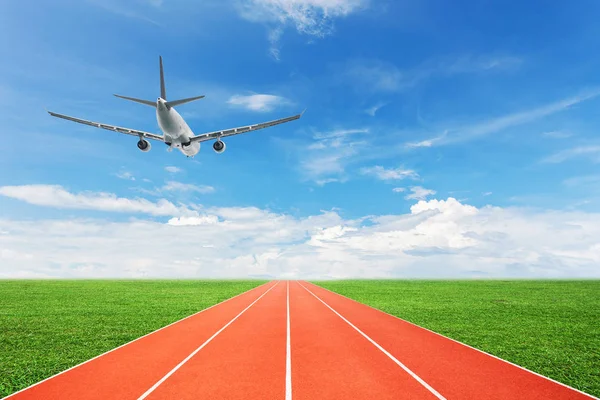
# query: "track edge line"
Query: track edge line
{"points": [[464, 344], [206, 342], [380, 347], [130, 342]]}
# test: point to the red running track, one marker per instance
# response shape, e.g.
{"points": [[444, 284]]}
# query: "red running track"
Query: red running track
{"points": [[294, 340]]}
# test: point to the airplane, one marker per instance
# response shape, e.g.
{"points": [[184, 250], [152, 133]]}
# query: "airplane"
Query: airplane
{"points": [[176, 132]]}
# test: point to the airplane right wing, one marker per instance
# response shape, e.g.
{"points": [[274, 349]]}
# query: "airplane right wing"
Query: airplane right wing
{"points": [[243, 129], [127, 131]]}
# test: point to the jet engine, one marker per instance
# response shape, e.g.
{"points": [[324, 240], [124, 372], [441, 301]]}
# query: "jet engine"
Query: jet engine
{"points": [[143, 145], [219, 146]]}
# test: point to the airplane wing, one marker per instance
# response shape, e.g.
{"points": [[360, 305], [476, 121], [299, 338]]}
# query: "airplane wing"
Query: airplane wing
{"points": [[127, 131], [243, 129]]}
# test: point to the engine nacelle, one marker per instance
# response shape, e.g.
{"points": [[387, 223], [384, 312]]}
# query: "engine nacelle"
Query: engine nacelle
{"points": [[219, 146], [144, 145]]}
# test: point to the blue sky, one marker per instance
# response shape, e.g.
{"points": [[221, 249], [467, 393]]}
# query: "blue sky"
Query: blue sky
{"points": [[454, 123]]}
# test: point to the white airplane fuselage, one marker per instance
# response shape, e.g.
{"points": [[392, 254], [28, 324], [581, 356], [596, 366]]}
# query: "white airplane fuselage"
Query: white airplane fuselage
{"points": [[176, 131]]}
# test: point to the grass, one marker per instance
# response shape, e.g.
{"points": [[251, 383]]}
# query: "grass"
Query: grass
{"points": [[550, 327], [49, 326]]}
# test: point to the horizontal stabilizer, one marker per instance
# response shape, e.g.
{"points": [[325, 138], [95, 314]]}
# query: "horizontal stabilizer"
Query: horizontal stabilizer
{"points": [[174, 103], [146, 102]]}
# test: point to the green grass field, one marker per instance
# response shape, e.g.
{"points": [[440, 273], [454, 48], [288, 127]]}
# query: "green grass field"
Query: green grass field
{"points": [[49, 326], [550, 327]]}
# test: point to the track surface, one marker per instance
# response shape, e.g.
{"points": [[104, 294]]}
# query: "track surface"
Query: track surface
{"points": [[285, 340]]}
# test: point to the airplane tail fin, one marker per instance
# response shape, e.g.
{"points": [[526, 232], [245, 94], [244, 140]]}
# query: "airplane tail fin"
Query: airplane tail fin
{"points": [[174, 103], [163, 91], [146, 102]]}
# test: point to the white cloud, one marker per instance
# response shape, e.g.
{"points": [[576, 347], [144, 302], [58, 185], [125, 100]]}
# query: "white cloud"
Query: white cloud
{"points": [[592, 152], [194, 221], [373, 109], [557, 134], [419, 193], [173, 186], [586, 180], [126, 175], [498, 124], [56, 196], [128, 11], [380, 76], [324, 160], [309, 17], [383, 174], [398, 190], [437, 238], [485, 194], [173, 169], [258, 102]]}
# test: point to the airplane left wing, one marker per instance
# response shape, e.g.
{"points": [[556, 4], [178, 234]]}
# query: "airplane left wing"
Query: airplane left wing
{"points": [[127, 131], [243, 129]]}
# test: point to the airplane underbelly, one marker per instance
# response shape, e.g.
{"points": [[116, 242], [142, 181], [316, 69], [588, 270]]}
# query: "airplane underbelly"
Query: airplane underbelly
{"points": [[191, 150], [170, 128]]}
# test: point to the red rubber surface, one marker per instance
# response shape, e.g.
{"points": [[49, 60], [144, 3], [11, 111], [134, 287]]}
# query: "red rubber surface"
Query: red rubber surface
{"points": [[329, 358]]}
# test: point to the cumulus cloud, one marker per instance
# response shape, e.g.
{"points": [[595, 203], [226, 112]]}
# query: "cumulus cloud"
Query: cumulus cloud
{"points": [[258, 102], [436, 238], [384, 174], [309, 17]]}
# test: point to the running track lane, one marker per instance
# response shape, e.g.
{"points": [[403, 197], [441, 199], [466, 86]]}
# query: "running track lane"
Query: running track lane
{"points": [[128, 371], [246, 361], [455, 370], [330, 360]]}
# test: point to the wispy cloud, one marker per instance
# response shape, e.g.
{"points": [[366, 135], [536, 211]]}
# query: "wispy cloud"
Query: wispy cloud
{"points": [[125, 175], [399, 190], [419, 193], [384, 174], [324, 160], [173, 186], [381, 76], [592, 152], [557, 134], [584, 180], [129, 11], [309, 17], [258, 102], [498, 124], [58, 197], [373, 109], [173, 169]]}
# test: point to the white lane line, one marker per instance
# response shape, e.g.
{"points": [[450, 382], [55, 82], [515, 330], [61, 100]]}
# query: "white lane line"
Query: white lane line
{"points": [[288, 353], [130, 342], [466, 345], [394, 359], [164, 378]]}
